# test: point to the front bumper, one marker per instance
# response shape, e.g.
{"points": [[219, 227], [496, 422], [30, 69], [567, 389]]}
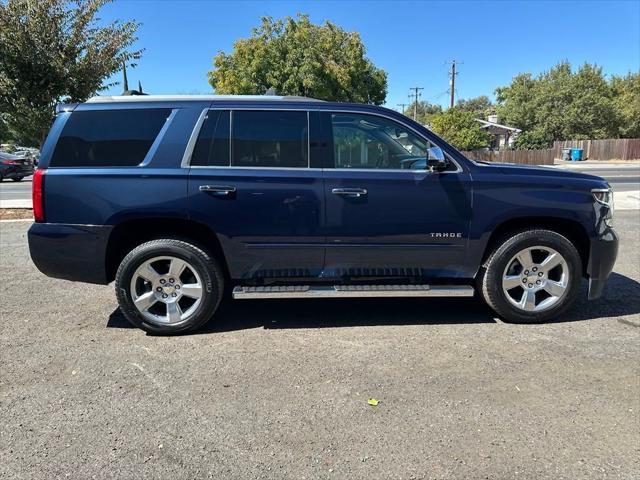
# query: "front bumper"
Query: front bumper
{"points": [[70, 252], [602, 257]]}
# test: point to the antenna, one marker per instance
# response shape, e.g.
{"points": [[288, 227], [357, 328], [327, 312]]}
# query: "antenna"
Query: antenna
{"points": [[124, 77]]}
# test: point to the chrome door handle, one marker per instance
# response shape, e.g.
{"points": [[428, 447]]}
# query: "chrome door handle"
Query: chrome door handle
{"points": [[217, 189], [350, 192]]}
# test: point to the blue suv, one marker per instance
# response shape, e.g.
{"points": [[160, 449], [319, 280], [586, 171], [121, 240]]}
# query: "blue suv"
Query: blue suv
{"points": [[179, 199]]}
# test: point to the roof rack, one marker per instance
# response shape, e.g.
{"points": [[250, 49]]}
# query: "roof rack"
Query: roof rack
{"points": [[205, 98]]}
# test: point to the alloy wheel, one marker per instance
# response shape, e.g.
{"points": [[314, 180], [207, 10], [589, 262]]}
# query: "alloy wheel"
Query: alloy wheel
{"points": [[166, 290], [535, 279]]}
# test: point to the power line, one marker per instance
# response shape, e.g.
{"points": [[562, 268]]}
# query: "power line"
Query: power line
{"points": [[416, 95]]}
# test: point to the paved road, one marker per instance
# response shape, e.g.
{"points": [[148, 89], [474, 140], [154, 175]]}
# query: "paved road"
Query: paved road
{"points": [[278, 389], [622, 179], [10, 190]]}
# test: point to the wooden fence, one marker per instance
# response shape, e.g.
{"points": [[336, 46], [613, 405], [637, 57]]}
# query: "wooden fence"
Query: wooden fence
{"points": [[526, 157], [611, 149]]}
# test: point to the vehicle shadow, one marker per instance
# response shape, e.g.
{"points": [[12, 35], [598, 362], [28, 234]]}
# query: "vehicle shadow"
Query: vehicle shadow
{"points": [[621, 297], [330, 313]]}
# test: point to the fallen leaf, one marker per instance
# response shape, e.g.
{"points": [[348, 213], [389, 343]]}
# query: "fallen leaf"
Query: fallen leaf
{"points": [[372, 401]]}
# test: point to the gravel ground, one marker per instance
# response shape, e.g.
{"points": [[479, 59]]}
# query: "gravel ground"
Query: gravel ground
{"points": [[279, 389]]}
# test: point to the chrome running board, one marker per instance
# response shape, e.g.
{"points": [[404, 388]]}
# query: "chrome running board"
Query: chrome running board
{"points": [[352, 291]]}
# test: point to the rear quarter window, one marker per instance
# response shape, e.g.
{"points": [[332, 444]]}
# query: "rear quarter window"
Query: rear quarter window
{"points": [[108, 138]]}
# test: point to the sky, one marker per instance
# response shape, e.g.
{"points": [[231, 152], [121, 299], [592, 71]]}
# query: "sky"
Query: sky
{"points": [[414, 41]]}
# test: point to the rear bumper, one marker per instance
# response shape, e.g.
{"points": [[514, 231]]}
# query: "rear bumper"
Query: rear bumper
{"points": [[70, 252], [18, 172], [603, 253]]}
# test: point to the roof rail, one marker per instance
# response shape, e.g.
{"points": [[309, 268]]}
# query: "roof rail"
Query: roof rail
{"points": [[205, 98]]}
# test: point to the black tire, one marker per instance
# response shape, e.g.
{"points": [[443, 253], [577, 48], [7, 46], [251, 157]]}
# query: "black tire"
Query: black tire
{"points": [[197, 258], [489, 281], [17, 179]]}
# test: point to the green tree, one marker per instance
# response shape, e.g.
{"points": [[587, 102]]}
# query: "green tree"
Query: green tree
{"points": [[559, 105], [296, 57], [460, 129], [53, 51], [480, 106], [626, 101], [5, 135], [425, 111]]}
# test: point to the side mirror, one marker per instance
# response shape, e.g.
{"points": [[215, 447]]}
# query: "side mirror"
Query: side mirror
{"points": [[436, 159]]}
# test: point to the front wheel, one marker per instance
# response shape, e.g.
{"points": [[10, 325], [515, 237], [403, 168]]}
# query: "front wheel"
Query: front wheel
{"points": [[17, 179], [533, 276], [169, 286]]}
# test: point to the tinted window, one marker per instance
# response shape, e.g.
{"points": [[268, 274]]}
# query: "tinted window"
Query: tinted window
{"points": [[212, 146], [108, 138], [270, 139], [372, 142]]}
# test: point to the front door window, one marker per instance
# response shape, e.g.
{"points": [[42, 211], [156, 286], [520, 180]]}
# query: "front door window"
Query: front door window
{"points": [[372, 142]]}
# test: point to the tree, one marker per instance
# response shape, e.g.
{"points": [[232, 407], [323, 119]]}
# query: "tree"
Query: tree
{"points": [[53, 51], [461, 129], [425, 111], [5, 135], [295, 57], [626, 101], [480, 106], [559, 105]]}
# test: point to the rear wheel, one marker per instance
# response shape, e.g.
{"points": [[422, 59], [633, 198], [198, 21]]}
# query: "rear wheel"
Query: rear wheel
{"points": [[17, 179], [169, 286], [533, 276]]}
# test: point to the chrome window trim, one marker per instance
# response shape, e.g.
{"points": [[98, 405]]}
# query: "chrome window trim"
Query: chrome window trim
{"points": [[292, 169], [186, 158], [191, 144]]}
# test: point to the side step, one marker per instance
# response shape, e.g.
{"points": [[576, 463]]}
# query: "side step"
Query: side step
{"points": [[352, 291]]}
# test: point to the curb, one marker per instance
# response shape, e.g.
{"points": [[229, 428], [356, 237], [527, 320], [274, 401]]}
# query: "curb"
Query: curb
{"points": [[16, 204]]}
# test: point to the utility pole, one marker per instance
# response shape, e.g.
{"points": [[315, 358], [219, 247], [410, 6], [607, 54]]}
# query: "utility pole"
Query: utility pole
{"points": [[452, 82], [402, 105], [416, 95]]}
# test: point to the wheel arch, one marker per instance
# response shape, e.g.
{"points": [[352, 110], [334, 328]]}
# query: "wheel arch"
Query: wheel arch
{"points": [[129, 234], [571, 229]]}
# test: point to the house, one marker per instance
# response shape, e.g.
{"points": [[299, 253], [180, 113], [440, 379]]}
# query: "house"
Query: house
{"points": [[502, 135]]}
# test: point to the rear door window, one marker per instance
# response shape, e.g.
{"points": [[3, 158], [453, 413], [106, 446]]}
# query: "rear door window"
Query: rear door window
{"points": [[270, 139], [108, 138], [212, 148]]}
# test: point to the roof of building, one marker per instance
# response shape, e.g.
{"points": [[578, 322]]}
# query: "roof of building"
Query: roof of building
{"points": [[198, 98], [496, 126]]}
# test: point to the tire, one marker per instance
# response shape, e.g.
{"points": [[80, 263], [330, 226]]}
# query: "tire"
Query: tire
{"points": [[503, 276], [171, 310], [17, 179]]}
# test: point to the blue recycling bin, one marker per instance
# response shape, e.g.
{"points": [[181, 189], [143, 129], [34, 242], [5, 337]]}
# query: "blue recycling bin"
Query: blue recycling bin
{"points": [[576, 154]]}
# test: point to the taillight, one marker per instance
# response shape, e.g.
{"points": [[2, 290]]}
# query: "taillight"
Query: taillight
{"points": [[37, 195], [10, 162]]}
